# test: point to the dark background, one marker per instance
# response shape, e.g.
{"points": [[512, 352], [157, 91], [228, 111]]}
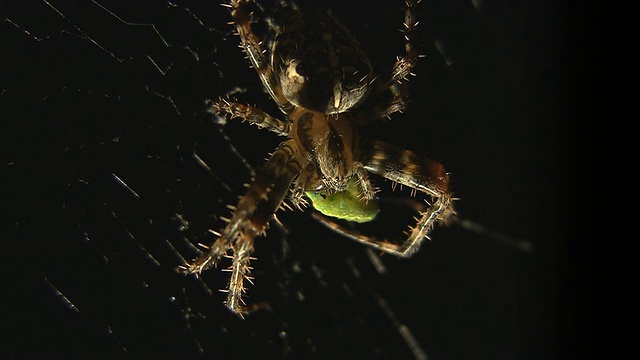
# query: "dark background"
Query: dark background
{"points": [[90, 95]]}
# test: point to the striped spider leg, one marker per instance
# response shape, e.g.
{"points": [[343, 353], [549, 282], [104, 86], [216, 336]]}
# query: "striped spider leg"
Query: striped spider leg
{"points": [[408, 169], [249, 220]]}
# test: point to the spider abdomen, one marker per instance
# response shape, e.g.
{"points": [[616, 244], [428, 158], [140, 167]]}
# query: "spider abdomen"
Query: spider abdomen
{"points": [[321, 65]]}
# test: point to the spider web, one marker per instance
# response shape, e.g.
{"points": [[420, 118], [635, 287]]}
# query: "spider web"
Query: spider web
{"points": [[116, 172]]}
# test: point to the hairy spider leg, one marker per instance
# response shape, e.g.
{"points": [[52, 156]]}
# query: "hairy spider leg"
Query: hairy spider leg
{"points": [[409, 247], [256, 53], [251, 114], [249, 220], [390, 94], [419, 173], [367, 190], [405, 64]]}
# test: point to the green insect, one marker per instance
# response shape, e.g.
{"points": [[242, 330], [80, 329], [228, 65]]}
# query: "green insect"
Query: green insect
{"points": [[346, 205]]}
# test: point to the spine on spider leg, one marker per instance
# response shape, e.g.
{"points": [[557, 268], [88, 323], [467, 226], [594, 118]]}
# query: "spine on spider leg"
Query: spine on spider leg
{"points": [[404, 65], [438, 211], [252, 47], [392, 91], [239, 270], [255, 209], [416, 172], [272, 183], [249, 42], [251, 114], [405, 167]]}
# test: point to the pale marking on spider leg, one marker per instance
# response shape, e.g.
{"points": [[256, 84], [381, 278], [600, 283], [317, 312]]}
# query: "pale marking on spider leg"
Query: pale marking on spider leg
{"points": [[440, 210], [249, 220], [405, 167], [254, 51], [239, 270], [404, 65], [251, 114], [368, 192]]}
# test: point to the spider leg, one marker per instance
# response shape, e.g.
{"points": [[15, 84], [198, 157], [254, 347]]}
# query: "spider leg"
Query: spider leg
{"points": [[297, 195], [405, 64], [240, 269], [251, 114], [367, 189], [405, 167], [422, 174], [409, 247], [390, 93], [255, 52], [249, 220]]}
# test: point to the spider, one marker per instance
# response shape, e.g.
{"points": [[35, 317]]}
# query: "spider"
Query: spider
{"points": [[323, 82]]}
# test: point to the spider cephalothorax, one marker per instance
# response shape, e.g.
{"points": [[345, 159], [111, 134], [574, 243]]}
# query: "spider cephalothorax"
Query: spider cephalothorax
{"points": [[319, 76]]}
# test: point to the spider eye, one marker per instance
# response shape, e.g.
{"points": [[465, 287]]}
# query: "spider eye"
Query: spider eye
{"points": [[302, 69]]}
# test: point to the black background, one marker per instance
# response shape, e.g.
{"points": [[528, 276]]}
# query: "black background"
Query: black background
{"points": [[100, 92]]}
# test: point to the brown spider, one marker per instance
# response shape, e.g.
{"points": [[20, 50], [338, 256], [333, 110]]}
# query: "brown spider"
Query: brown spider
{"points": [[319, 76]]}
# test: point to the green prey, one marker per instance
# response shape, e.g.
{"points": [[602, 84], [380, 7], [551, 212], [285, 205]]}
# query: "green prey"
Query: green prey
{"points": [[346, 204]]}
